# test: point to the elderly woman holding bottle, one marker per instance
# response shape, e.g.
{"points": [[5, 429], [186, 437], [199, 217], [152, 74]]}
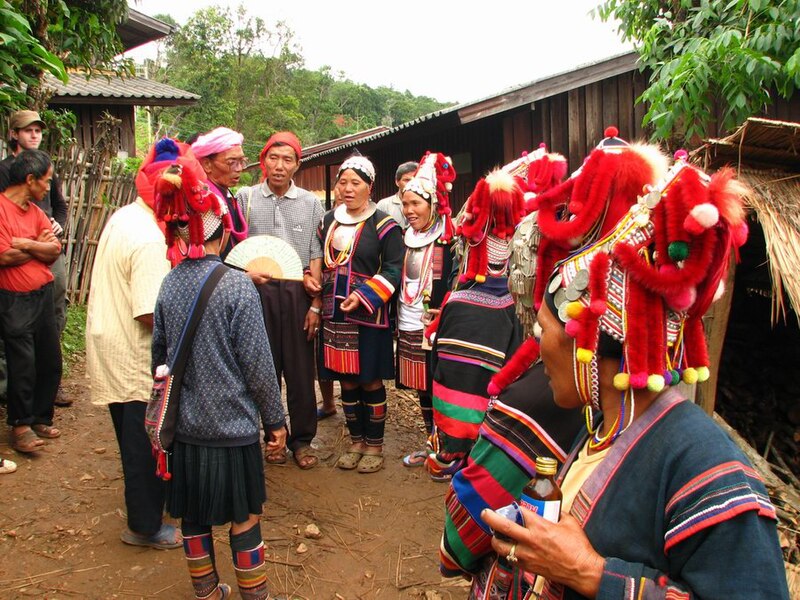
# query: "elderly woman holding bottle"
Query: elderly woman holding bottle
{"points": [[362, 256], [658, 502]]}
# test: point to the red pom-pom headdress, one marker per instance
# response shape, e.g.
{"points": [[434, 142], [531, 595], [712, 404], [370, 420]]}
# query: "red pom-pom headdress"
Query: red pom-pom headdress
{"points": [[498, 204], [586, 206], [491, 213], [189, 211], [433, 181], [650, 279]]}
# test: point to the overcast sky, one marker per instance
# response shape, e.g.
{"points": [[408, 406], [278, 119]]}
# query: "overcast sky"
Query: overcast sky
{"points": [[451, 51]]}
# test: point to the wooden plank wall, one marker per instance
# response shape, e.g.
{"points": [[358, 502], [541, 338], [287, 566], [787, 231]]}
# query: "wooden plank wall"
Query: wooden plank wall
{"points": [[89, 114], [573, 123], [481, 142]]}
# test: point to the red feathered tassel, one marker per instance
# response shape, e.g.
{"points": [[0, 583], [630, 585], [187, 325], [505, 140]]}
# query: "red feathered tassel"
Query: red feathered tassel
{"points": [[669, 283], [660, 236], [637, 331], [657, 347], [549, 255], [196, 249], [588, 334], [519, 362], [694, 343], [681, 196]]}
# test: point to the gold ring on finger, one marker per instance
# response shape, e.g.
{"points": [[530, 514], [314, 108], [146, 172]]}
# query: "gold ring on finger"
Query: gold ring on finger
{"points": [[512, 556]]}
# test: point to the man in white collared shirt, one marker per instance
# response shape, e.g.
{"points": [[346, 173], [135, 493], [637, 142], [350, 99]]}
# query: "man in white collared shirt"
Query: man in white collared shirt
{"points": [[292, 309], [393, 205]]}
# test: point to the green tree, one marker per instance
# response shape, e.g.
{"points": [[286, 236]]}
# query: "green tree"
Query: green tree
{"points": [[252, 77], [21, 57], [705, 54], [81, 33]]}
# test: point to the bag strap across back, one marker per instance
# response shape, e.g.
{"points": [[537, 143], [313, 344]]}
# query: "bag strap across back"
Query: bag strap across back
{"points": [[198, 308]]}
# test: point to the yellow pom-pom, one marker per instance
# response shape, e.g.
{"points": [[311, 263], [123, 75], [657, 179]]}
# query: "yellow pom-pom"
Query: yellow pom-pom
{"points": [[622, 381], [655, 383], [690, 376], [574, 310], [584, 355], [480, 278], [703, 374]]}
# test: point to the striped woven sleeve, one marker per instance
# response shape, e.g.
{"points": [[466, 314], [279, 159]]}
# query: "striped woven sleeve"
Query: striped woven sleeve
{"points": [[715, 495], [379, 289], [501, 463]]}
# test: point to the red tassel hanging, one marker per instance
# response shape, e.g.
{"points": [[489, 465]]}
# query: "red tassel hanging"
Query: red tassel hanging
{"points": [[519, 362], [588, 335], [637, 337]]}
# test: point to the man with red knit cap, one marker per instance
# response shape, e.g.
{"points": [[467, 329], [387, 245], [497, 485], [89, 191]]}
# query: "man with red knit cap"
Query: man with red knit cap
{"points": [[292, 309]]}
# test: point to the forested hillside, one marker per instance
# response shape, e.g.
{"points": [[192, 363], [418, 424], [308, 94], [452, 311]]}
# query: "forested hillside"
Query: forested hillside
{"points": [[251, 77]]}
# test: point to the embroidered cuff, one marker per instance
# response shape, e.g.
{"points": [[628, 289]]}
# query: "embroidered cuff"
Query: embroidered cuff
{"points": [[375, 292]]}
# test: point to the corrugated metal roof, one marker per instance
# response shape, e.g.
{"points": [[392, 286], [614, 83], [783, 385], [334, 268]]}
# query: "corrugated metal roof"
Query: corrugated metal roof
{"points": [[509, 98], [139, 29], [353, 137], [117, 90], [380, 134]]}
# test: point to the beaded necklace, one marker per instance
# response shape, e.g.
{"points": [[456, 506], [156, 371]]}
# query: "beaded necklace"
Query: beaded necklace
{"points": [[334, 258], [425, 278]]}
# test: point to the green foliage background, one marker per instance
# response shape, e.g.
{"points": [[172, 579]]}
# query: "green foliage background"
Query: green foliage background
{"points": [[73, 341], [252, 78], [703, 54]]}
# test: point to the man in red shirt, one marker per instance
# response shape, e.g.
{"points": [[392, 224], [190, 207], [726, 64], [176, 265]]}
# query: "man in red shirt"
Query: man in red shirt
{"points": [[27, 320]]}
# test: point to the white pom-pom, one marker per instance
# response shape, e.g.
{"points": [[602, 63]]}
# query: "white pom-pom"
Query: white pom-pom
{"points": [[529, 196], [642, 219], [706, 215], [537, 330], [720, 291], [448, 186]]}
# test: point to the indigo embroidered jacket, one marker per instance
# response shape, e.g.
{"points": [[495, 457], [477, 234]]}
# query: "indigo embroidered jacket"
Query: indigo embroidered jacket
{"points": [[373, 271], [678, 513]]}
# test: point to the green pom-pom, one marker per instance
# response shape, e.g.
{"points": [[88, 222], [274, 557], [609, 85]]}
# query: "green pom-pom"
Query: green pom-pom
{"points": [[678, 251], [703, 374], [622, 381], [655, 383], [584, 355], [690, 376]]}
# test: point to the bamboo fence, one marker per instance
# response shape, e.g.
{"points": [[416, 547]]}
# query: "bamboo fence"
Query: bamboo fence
{"points": [[94, 187]]}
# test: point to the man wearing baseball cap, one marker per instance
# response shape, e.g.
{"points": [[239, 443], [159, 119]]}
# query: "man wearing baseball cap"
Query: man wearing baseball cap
{"points": [[25, 129]]}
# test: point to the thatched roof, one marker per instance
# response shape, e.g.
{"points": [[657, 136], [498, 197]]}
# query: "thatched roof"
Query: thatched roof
{"points": [[766, 154]]}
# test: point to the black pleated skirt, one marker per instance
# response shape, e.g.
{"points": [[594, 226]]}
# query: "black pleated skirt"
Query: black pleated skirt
{"points": [[214, 486]]}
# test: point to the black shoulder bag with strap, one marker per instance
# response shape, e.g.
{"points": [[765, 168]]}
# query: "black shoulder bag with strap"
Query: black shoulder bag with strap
{"points": [[161, 416]]}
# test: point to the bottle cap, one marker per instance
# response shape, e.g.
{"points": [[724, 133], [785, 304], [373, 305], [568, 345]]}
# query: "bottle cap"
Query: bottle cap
{"points": [[546, 465]]}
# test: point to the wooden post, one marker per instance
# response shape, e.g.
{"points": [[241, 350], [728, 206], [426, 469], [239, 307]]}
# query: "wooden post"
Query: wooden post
{"points": [[716, 325]]}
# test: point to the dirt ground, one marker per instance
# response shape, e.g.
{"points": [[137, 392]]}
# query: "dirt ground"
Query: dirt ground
{"points": [[62, 512]]}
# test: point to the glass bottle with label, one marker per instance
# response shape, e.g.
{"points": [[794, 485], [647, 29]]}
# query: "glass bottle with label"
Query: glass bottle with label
{"points": [[542, 495]]}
